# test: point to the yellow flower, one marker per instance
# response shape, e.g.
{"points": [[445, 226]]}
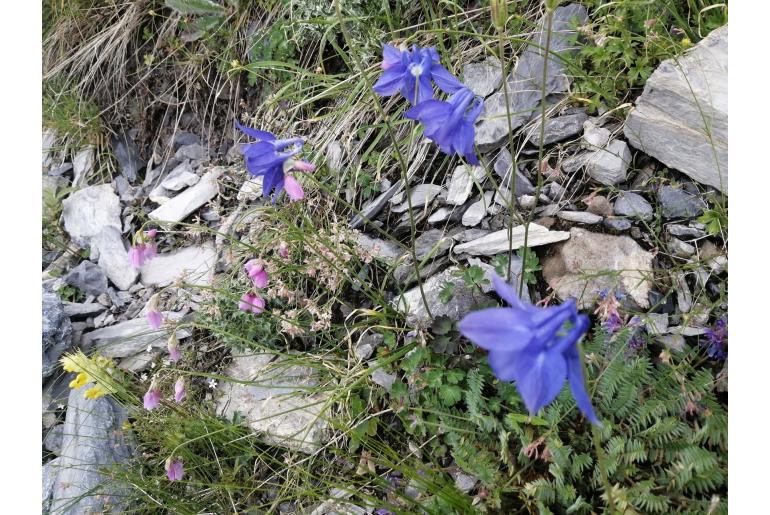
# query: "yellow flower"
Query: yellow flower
{"points": [[68, 364], [686, 42], [95, 392], [235, 63], [80, 380]]}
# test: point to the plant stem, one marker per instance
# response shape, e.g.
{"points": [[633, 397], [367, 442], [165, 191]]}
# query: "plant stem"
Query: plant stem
{"points": [[547, 50], [389, 128]]}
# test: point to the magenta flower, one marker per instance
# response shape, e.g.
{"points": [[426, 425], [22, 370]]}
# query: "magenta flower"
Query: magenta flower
{"points": [[251, 302], [152, 398], [144, 248], [174, 469], [154, 319], [174, 351], [179, 390], [256, 272], [303, 166], [293, 188]]}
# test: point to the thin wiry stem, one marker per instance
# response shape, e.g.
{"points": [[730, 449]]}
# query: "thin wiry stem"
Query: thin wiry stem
{"points": [[389, 128]]}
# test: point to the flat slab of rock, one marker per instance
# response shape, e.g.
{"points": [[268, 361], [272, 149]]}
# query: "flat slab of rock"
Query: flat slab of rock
{"points": [[383, 250], [460, 304], [180, 177], [132, 336], [56, 332], [192, 265], [524, 84], [420, 195], [372, 208], [484, 77], [87, 277], [497, 242], [179, 207], [475, 213], [275, 402], [504, 169], [88, 211], [113, 257], [677, 203], [558, 128], [581, 217], [82, 165], [461, 184], [681, 117], [634, 205], [93, 439], [590, 262]]}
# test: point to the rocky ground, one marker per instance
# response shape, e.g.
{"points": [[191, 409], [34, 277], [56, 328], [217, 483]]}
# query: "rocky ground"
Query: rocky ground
{"points": [[619, 210]]}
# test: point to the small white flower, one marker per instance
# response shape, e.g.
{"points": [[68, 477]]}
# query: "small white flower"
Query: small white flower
{"points": [[149, 348], [152, 365], [212, 383], [143, 377], [60, 406]]}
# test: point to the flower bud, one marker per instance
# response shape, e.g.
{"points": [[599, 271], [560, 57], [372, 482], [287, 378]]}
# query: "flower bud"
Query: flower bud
{"points": [[499, 10]]}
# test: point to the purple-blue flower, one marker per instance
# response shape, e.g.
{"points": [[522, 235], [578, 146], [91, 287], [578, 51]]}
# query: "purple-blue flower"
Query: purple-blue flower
{"points": [[267, 156], [410, 70], [532, 346], [715, 339], [450, 124]]}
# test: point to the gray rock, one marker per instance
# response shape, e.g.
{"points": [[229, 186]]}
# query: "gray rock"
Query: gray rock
{"points": [[634, 205], [251, 189], [683, 294], [179, 207], [87, 277], [681, 117], [677, 203], [686, 330], [93, 440], [558, 128], [504, 168], [445, 214], [524, 84], [113, 257], [682, 231], [484, 77], [489, 270], [420, 195], [655, 323], [180, 177], [192, 265], [74, 309], [82, 165], [50, 470], [194, 152], [461, 184], [133, 336], [527, 201], [54, 438], [595, 137], [88, 211], [464, 482], [382, 250], [433, 242], [49, 140], [470, 235], [272, 396], [477, 210], [497, 242], [609, 165], [382, 378], [184, 138], [406, 273], [582, 217], [127, 153], [462, 301], [678, 248], [56, 334], [617, 224], [372, 208], [590, 262]]}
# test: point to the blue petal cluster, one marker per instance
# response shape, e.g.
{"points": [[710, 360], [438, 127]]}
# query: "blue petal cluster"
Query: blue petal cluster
{"points": [[449, 124], [412, 72], [535, 347], [266, 157]]}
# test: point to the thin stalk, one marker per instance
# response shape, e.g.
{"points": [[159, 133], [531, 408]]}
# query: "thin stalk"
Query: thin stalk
{"points": [[512, 181], [547, 50], [389, 128]]}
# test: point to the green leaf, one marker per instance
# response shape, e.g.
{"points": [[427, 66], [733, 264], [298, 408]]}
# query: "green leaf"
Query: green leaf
{"points": [[447, 290], [186, 7], [519, 418], [450, 394]]}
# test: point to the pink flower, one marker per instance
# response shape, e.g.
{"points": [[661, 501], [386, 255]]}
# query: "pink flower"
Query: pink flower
{"points": [[174, 351], [136, 255], [251, 302], [179, 390], [303, 166], [151, 233], [154, 319], [174, 469], [150, 251], [256, 272], [293, 188], [283, 249], [152, 398]]}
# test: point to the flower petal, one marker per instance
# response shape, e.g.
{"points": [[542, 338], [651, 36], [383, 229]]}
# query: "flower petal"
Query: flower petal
{"points": [[293, 188], [498, 329], [446, 81], [255, 133], [539, 378], [506, 292]]}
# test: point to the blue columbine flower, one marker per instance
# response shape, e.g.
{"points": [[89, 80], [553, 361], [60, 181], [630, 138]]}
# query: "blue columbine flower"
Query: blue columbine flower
{"points": [[266, 157], [532, 346], [450, 124], [407, 70]]}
